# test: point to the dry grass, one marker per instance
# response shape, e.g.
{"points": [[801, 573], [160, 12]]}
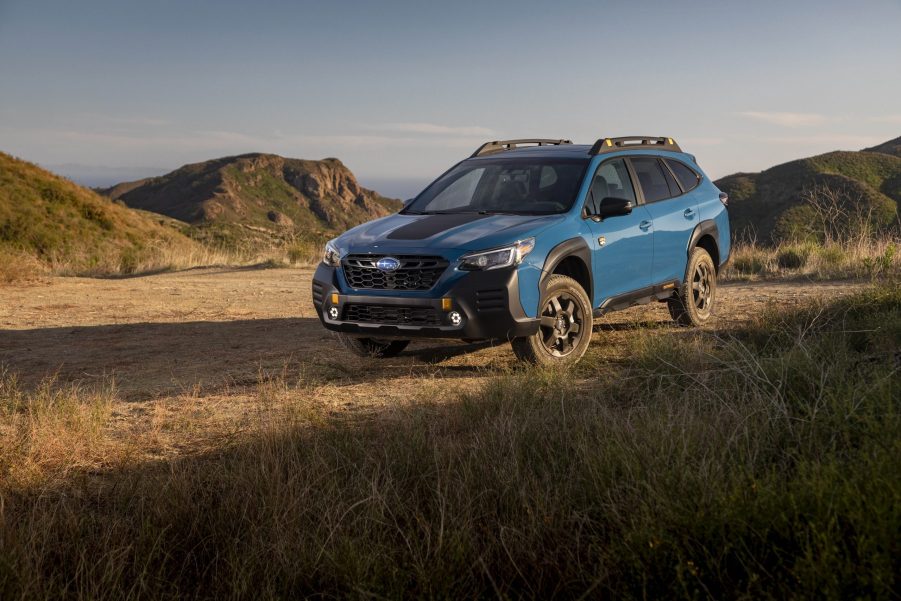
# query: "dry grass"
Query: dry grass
{"points": [[758, 463], [861, 258], [18, 267]]}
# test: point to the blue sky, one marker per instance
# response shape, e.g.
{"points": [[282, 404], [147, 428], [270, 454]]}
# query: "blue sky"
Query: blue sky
{"points": [[400, 90]]}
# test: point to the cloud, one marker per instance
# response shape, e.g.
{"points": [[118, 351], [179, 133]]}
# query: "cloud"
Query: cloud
{"points": [[786, 119], [435, 130]]}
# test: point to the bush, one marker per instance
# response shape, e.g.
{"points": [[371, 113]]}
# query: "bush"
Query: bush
{"points": [[794, 256], [750, 261]]}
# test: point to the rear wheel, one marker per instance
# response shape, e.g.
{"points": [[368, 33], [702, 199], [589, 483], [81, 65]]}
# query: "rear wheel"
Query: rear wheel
{"points": [[692, 305], [564, 330], [372, 347]]}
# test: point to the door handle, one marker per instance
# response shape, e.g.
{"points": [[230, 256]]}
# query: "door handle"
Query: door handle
{"points": [[689, 213], [645, 225]]}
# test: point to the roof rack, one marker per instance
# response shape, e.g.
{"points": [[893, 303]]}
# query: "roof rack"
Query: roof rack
{"points": [[502, 145], [613, 144]]}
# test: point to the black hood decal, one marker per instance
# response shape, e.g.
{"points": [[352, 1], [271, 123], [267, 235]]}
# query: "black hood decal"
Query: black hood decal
{"points": [[430, 225]]}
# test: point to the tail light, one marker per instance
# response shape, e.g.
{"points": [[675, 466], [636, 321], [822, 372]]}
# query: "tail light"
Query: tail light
{"points": [[724, 198]]}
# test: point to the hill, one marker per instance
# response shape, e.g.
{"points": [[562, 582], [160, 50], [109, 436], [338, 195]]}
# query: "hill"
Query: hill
{"points": [[257, 197], [51, 222], [771, 203], [892, 147]]}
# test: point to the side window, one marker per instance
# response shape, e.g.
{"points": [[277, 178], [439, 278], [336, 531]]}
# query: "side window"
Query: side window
{"points": [[611, 179], [651, 178], [685, 174], [674, 189]]}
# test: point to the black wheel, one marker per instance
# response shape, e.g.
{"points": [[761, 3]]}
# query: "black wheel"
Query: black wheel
{"points": [[564, 330], [372, 347], [692, 305]]}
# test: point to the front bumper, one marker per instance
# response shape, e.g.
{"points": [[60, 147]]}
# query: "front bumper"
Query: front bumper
{"points": [[487, 300]]}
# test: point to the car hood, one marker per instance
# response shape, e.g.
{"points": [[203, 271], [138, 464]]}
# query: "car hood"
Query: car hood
{"points": [[457, 231]]}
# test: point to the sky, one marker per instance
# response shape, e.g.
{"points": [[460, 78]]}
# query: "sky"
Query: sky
{"points": [[399, 91]]}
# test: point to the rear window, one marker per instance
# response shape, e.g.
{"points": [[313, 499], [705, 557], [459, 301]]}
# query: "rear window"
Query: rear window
{"points": [[685, 174]]}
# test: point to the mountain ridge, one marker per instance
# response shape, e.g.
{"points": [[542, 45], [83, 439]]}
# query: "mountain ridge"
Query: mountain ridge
{"points": [[258, 192]]}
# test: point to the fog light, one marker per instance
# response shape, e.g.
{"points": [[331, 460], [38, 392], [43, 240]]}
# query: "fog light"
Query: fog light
{"points": [[333, 312], [455, 318]]}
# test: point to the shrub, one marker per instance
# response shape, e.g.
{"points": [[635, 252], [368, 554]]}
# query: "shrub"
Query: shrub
{"points": [[793, 256]]}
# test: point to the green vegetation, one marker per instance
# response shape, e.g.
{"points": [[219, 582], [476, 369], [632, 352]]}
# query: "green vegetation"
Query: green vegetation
{"points": [[756, 463], [772, 204], [48, 223]]}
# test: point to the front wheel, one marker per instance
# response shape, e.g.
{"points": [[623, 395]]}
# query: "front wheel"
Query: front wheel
{"points": [[564, 330], [372, 347], [692, 305]]}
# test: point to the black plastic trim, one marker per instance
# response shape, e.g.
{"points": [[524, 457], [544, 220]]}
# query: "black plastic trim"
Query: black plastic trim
{"points": [[483, 320], [641, 296], [502, 145], [708, 226], [573, 247]]}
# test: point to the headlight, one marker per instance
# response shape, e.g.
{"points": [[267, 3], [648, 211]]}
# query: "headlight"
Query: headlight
{"points": [[495, 259], [331, 256]]}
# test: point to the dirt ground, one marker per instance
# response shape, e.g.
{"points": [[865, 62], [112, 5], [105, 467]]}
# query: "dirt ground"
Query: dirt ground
{"points": [[198, 343]]}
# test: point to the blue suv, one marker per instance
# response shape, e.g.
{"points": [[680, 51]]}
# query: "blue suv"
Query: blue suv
{"points": [[527, 241]]}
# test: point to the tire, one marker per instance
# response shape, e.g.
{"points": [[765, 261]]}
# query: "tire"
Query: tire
{"points": [[566, 323], [372, 347], [692, 305]]}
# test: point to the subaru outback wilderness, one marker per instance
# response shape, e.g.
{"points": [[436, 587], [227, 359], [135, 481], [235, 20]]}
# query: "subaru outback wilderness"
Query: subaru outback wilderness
{"points": [[526, 241]]}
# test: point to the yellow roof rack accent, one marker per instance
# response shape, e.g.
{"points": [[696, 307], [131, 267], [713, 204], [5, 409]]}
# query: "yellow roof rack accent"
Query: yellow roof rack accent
{"points": [[604, 145]]}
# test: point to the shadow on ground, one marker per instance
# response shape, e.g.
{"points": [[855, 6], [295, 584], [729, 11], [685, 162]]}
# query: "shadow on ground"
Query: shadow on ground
{"points": [[152, 359]]}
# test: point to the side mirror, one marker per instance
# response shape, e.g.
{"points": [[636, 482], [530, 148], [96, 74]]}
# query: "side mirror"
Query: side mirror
{"points": [[612, 207]]}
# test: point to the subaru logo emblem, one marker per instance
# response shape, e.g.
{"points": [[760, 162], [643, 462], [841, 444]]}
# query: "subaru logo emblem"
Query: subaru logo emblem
{"points": [[387, 264]]}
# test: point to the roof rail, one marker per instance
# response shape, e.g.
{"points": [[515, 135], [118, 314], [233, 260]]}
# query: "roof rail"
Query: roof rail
{"points": [[502, 145], [613, 144]]}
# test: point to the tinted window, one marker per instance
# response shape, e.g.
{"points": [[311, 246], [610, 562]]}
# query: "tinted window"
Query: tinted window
{"points": [[611, 179], [674, 189], [653, 182], [534, 186], [686, 176]]}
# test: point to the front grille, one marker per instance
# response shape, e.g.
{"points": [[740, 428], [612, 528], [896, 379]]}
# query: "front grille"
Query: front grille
{"points": [[491, 300], [392, 315], [415, 272]]}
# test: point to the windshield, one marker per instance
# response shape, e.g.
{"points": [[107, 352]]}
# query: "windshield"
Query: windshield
{"points": [[520, 186]]}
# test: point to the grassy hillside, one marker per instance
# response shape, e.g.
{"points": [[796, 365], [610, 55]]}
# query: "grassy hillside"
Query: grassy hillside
{"points": [[51, 223], [772, 204], [256, 199]]}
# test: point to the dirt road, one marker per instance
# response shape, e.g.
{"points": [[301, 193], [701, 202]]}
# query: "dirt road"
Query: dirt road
{"points": [[211, 331]]}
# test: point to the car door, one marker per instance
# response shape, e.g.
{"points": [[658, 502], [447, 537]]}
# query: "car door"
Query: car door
{"points": [[673, 214], [622, 250]]}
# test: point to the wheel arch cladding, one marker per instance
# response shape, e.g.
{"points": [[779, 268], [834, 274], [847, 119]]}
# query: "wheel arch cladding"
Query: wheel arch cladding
{"points": [[705, 236], [571, 258]]}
